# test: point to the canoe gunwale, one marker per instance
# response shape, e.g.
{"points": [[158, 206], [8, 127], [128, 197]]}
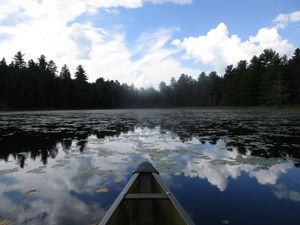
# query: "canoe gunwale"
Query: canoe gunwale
{"points": [[119, 199], [174, 201], [167, 195]]}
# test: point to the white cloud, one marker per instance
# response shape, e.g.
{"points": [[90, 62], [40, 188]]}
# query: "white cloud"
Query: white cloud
{"points": [[47, 27], [283, 20], [44, 28], [70, 9], [218, 49]]}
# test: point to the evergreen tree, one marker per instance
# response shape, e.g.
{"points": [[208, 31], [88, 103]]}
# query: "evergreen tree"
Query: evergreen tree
{"points": [[3, 84], [202, 89], [229, 91], [19, 61], [294, 78], [65, 73], [80, 99], [51, 68], [267, 79], [42, 63], [271, 77], [214, 86], [256, 70], [80, 74]]}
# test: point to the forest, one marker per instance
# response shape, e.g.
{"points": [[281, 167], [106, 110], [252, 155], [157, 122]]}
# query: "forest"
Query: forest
{"points": [[268, 79]]}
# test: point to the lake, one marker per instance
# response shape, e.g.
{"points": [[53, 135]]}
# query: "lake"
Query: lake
{"points": [[224, 166]]}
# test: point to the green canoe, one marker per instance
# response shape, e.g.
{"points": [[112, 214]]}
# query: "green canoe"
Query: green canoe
{"points": [[146, 200]]}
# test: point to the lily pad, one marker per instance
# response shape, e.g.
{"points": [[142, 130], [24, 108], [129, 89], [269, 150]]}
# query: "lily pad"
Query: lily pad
{"points": [[4, 222], [8, 171], [225, 221], [102, 190], [38, 170], [31, 192], [61, 163]]}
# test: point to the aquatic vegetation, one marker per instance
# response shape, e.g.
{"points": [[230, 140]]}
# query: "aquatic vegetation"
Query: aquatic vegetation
{"points": [[204, 156], [9, 171], [95, 171], [4, 222], [38, 170], [225, 221], [102, 190], [61, 163], [30, 192]]}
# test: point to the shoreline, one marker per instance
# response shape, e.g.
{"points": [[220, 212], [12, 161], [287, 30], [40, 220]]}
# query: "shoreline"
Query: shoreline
{"points": [[261, 107]]}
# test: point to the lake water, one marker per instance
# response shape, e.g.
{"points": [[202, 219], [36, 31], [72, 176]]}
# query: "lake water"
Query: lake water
{"points": [[224, 166]]}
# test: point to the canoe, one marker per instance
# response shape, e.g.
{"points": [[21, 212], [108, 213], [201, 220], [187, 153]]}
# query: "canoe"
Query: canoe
{"points": [[146, 200]]}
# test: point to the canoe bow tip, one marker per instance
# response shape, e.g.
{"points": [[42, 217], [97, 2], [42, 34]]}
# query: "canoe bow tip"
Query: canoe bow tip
{"points": [[145, 167]]}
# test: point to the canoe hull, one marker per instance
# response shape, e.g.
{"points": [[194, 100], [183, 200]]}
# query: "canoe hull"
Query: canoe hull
{"points": [[146, 200]]}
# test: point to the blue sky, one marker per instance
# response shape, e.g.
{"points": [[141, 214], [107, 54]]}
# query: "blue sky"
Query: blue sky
{"points": [[146, 41], [243, 17]]}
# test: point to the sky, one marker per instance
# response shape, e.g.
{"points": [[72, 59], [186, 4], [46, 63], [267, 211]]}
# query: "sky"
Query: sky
{"points": [[144, 42]]}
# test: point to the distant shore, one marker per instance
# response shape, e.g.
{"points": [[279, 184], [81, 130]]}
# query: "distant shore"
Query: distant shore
{"points": [[260, 107]]}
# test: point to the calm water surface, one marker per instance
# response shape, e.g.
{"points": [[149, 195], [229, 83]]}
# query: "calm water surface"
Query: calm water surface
{"points": [[224, 166]]}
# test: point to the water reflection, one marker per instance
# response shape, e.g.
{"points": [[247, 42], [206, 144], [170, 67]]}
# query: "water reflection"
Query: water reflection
{"points": [[64, 157], [66, 190], [283, 192], [267, 134], [218, 165]]}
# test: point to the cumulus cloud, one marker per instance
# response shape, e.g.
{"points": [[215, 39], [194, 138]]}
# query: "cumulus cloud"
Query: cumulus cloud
{"points": [[218, 49], [70, 8], [48, 27], [283, 20]]}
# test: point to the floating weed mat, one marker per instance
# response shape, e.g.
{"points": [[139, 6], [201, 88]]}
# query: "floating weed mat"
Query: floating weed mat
{"points": [[194, 172], [8, 171], [260, 161], [165, 166], [61, 163], [105, 153], [96, 171], [158, 154], [38, 170]]}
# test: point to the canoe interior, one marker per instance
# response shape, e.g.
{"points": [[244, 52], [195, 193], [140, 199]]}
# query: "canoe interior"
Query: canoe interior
{"points": [[146, 211]]}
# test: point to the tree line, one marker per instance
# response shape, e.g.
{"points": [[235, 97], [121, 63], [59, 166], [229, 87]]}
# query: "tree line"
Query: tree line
{"points": [[267, 79]]}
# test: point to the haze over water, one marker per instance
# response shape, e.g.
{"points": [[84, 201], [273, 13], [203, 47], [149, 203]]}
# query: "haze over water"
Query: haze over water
{"points": [[224, 166]]}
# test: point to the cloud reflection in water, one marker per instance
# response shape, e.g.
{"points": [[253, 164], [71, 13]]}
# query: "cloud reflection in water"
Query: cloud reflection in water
{"points": [[66, 184]]}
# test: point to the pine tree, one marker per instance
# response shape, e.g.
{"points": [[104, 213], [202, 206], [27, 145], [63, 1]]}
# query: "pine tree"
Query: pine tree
{"points": [[42, 63], [19, 61], [52, 68], [65, 73], [80, 74]]}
